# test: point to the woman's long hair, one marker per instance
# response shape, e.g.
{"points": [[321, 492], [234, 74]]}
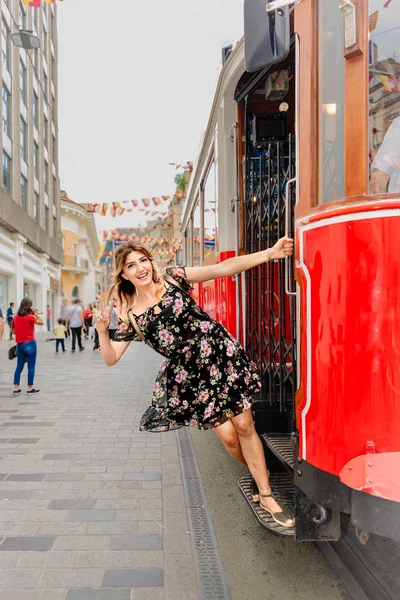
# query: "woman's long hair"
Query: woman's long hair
{"points": [[121, 288], [25, 308]]}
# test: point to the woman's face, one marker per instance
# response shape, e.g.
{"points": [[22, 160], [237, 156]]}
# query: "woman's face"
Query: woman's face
{"points": [[138, 269]]}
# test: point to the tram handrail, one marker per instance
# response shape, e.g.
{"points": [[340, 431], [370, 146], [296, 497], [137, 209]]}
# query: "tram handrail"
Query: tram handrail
{"points": [[287, 217]]}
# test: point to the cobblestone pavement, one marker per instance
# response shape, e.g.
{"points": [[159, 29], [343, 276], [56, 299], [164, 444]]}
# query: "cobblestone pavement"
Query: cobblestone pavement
{"points": [[90, 508]]}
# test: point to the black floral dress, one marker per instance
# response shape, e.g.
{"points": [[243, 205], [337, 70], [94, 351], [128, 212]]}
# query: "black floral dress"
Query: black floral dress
{"points": [[206, 378]]}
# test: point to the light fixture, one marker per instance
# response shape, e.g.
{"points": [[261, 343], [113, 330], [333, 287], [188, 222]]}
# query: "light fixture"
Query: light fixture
{"points": [[25, 39]]}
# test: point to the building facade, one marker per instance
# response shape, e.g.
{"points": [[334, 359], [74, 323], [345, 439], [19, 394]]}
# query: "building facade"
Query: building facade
{"points": [[80, 272], [31, 250]]}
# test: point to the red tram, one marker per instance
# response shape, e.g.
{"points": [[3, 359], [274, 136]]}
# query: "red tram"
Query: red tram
{"points": [[301, 140]]}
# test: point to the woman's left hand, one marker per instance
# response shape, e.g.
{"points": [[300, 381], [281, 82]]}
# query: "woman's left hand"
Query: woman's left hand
{"points": [[282, 248]]}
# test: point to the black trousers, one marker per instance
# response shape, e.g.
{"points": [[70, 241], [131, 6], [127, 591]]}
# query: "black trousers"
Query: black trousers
{"points": [[76, 335]]}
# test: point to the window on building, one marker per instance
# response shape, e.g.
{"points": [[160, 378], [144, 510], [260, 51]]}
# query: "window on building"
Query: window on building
{"points": [[22, 16], [75, 292], [54, 150], [36, 160], [22, 138], [55, 191], [35, 110], [384, 97], [45, 41], [46, 218], [6, 110], [24, 192], [36, 207], [46, 132], [54, 227], [46, 177], [7, 172], [22, 82], [45, 85], [5, 45]]}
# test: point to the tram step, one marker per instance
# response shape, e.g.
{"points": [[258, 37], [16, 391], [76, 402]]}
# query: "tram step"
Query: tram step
{"points": [[282, 484], [282, 446]]}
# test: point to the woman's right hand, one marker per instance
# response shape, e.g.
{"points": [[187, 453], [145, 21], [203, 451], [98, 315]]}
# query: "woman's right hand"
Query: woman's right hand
{"points": [[102, 318]]}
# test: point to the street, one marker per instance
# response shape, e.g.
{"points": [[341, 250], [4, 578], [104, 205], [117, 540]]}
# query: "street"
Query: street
{"points": [[93, 509]]}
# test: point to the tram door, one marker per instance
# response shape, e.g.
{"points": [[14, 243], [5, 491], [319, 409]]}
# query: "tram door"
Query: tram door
{"points": [[269, 197]]}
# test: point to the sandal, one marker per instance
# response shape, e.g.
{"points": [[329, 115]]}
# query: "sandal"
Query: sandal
{"points": [[281, 517], [254, 490]]}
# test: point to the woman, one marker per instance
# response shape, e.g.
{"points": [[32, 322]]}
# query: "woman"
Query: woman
{"points": [[24, 328], [88, 317], [96, 344], [207, 380]]}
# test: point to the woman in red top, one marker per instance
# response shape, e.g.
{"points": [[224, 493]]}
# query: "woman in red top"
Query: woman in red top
{"points": [[88, 317], [24, 328]]}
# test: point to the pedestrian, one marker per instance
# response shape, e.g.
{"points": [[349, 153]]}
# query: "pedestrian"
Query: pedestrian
{"points": [[75, 323], [24, 328], [48, 317], [88, 318], [96, 344], [112, 328], [59, 332], [207, 380], [10, 316], [1, 325], [63, 315]]}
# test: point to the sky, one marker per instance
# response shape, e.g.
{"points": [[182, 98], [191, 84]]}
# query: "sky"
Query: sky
{"points": [[136, 85]]}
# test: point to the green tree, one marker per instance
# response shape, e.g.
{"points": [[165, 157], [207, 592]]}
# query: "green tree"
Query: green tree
{"points": [[180, 181]]}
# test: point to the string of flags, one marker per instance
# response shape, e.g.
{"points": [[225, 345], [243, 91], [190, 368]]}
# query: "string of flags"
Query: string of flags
{"points": [[373, 17], [116, 209], [36, 3]]}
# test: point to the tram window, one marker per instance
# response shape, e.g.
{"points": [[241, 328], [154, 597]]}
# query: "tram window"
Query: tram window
{"points": [[210, 209], [196, 235], [384, 96], [331, 102]]}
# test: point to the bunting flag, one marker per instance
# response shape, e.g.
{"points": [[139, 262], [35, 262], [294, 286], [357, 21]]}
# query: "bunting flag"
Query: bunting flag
{"points": [[387, 3], [157, 201], [34, 3], [104, 208], [373, 20], [390, 83]]}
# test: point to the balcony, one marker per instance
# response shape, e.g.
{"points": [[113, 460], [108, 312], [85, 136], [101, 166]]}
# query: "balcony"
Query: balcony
{"points": [[75, 263]]}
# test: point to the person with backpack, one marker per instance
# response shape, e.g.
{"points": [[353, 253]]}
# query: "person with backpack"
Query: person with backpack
{"points": [[75, 323]]}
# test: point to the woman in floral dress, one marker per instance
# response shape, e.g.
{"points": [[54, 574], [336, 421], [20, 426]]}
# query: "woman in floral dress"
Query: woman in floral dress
{"points": [[206, 381]]}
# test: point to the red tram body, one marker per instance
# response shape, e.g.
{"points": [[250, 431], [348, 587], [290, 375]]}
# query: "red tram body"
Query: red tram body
{"points": [[324, 329]]}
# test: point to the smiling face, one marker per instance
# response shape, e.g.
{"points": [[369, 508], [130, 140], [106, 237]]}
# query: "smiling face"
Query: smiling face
{"points": [[138, 269]]}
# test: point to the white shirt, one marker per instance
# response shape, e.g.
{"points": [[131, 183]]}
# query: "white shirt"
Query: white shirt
{"points": [[387, 158], [75, 316]]}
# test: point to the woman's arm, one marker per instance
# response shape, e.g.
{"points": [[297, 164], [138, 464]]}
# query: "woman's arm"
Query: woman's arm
{"points": [[238, 264], [111, 351], [39, 320]]}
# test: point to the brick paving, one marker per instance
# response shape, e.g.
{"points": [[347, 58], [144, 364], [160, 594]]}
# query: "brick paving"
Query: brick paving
{"points": [[90, 508]]}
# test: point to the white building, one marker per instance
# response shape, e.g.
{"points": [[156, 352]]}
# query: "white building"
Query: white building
{"points": [[31, 250]]}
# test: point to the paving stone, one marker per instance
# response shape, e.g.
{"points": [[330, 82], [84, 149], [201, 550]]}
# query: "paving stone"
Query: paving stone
{"points": [[98, 595], [91, 515], [26, 477], [142, 476], [54, 560], [20, 578], [179, 577], [136, 542], [23, 440], [27, 543], [64, 476], [106, 559], [22, 417], [133, 578], [148, 594], [71, 504], [66, 578], [81, 542]]}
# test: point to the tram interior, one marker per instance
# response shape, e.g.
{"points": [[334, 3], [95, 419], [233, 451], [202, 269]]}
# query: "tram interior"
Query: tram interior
{"points": [[268, 112]]}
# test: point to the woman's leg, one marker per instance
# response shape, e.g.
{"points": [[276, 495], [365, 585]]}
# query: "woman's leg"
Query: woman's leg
{"points": [[19, 368], [228, 436], [31, 353], [254, 456]]}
